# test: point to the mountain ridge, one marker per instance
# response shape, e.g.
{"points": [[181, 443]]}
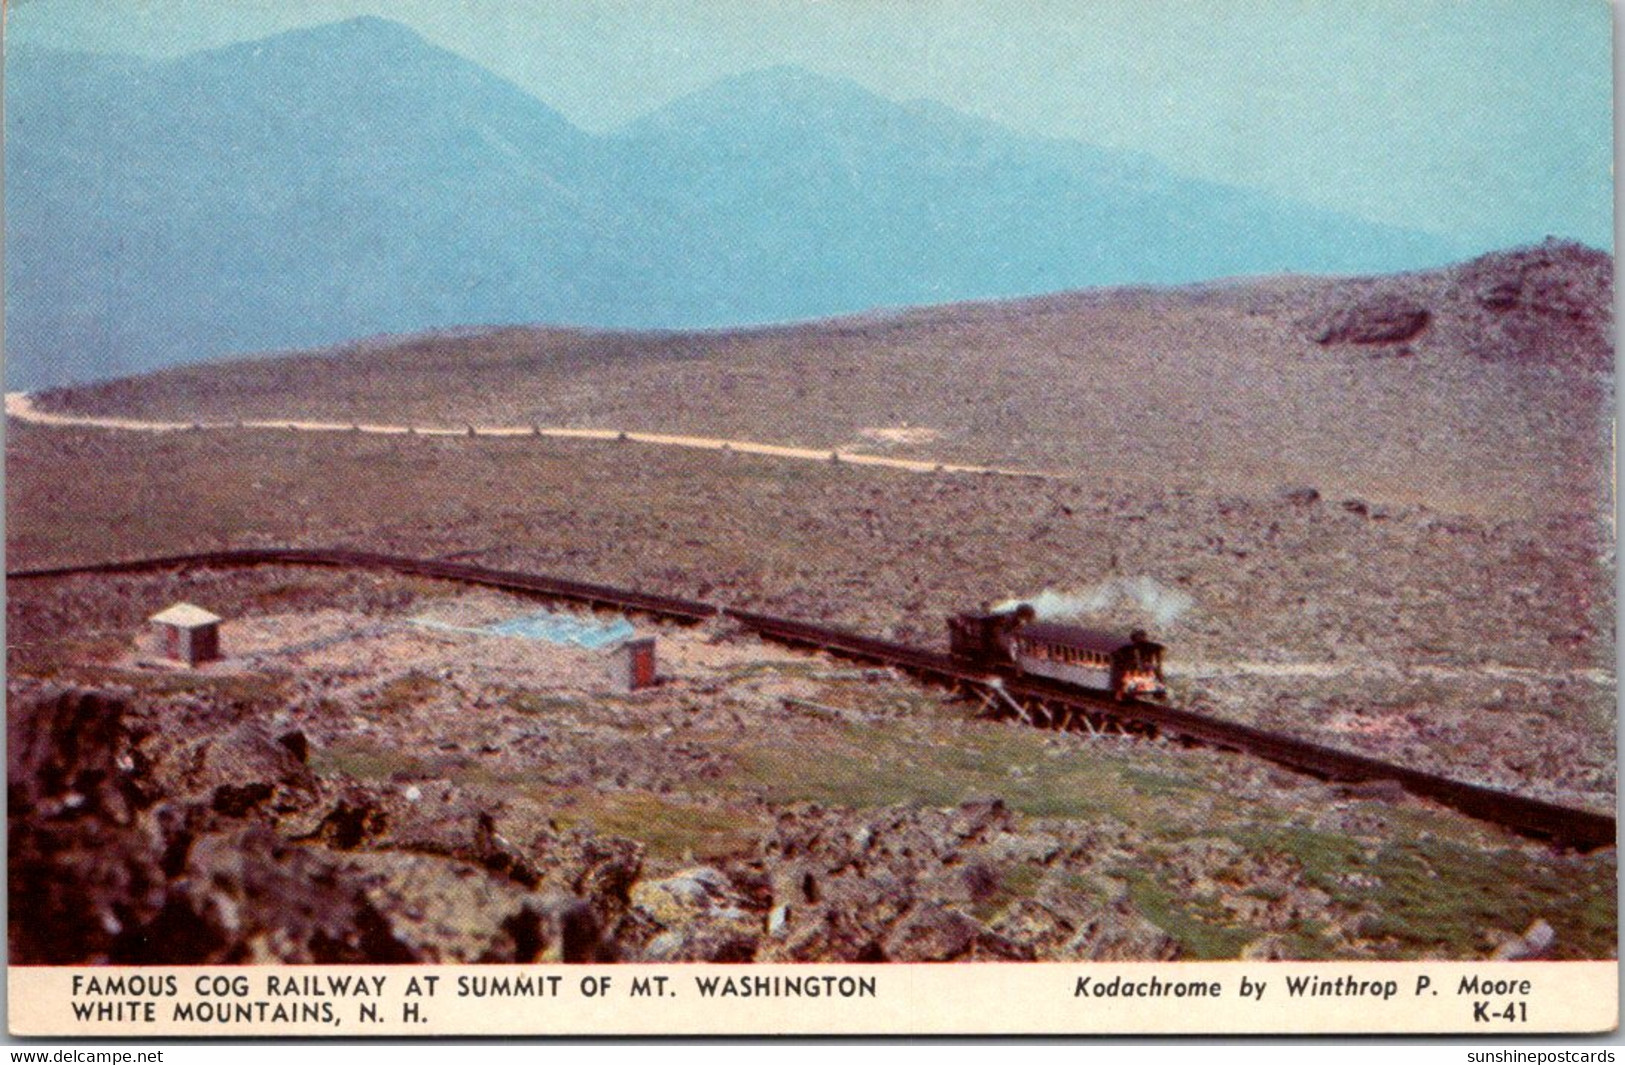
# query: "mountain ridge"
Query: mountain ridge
{"points": [[352, 179]]}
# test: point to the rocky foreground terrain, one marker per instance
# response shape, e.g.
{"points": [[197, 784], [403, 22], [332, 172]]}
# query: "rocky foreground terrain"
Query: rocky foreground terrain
{"points": [[386, 794], [184, 833]]}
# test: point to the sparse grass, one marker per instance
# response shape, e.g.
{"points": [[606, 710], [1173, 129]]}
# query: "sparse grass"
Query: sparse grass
{"points": [[1015, 882], [1200, 927], [368, 761], [841, 776], [1149, 782], [253, 689], [1437, 896], [1307, 943], [672, 831], [884, 763], [410, 689], [64, 657], [808, 669]]}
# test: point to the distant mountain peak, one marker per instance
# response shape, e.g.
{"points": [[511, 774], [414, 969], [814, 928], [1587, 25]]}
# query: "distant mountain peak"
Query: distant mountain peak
{"points": [[361, 27], [782, 89], [363, 38], [789, 77]]}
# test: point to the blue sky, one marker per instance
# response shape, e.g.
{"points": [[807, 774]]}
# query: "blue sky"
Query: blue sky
{"points": [[1489, 121]]}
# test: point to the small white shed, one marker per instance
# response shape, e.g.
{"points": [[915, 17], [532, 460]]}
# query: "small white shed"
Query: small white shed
{"points": [[188, 634]]}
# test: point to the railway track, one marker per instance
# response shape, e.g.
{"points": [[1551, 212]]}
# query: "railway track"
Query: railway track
{"points": [[1582, 829]]}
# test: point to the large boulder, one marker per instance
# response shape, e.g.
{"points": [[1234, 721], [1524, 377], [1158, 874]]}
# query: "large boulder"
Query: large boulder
{"points": [[69, 755], [238, 771], [223, 848], [251, 896], [1384, 318], [933, 932], [702, 916], [81, 868]]}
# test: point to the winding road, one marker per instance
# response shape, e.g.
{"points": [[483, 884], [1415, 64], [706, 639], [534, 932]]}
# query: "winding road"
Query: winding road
{"points": [[20, 405]]}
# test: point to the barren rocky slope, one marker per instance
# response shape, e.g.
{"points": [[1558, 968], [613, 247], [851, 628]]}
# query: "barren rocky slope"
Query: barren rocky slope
{"points": [[1479, 648], [1483, 387]]}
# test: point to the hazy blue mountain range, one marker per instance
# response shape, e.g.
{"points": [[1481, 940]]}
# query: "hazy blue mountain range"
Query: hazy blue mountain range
{"points": [[354, 179]]}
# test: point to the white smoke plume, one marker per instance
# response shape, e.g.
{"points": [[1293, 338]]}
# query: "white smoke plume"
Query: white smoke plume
{"points": [[1162, 604]]}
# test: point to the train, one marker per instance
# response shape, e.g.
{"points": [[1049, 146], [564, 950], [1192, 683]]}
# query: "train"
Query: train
{"points": [[1015, 642]]}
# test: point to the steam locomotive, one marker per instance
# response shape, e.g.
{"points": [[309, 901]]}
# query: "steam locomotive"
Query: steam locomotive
{"points": [[1015, 642]]}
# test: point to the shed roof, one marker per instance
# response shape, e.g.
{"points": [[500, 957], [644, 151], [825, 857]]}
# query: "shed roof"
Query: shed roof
{"points": [[1078, 636], [185, 616]]}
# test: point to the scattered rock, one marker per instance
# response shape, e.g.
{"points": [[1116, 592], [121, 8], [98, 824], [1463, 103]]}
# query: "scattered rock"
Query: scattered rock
{"points": [[66, 750], [931, 932], [1536, 942], [1114, 935], [235, 800], [1034, 925], [702, 943], [1267, 948], [555, 928], [82, 871]]}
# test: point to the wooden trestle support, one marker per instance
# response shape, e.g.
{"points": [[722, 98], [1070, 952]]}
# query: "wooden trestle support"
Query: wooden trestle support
{"points": [[996, 703]]}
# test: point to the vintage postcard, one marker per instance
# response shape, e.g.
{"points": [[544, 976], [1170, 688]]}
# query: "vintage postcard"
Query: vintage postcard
{"points": [[827, 516]]}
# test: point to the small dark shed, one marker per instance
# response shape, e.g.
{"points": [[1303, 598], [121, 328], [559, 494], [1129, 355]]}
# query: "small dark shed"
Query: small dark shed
{"points": [[188, 634], [640, 663]]}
